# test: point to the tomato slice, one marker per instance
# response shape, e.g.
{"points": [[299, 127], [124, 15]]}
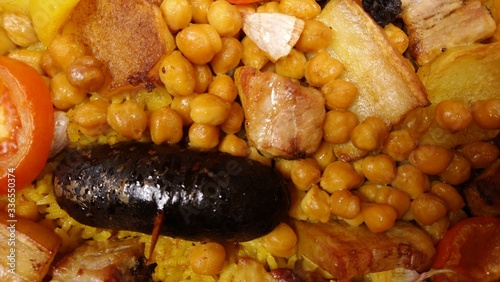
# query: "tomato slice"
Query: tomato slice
{"points": [[26, 124], [471, 249]]}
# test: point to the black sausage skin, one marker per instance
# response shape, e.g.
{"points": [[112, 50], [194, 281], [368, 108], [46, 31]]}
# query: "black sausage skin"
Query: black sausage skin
{"points": [[205, 196]]}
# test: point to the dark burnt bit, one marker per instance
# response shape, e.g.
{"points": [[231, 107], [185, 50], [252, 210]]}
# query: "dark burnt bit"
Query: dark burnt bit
{"points": [[383, 11]]}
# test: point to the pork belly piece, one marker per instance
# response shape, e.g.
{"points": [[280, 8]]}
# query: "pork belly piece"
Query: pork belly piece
{"points": [[111, 260], [434, 26], [483, 194], [282, 118], [347, 251], [128, 36]]}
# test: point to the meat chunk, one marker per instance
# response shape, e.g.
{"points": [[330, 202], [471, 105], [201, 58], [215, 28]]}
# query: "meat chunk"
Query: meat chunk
{"points": [[434, 26], [112, 260], [283, 118], [483, 194], [128, 36], [347, 251]]}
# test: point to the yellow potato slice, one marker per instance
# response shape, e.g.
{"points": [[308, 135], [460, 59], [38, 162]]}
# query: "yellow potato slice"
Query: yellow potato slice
{"points": [[466, 74]]}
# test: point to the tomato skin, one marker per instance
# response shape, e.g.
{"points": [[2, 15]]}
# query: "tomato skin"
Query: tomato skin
{"points": [[28, 98], [471, 249]]}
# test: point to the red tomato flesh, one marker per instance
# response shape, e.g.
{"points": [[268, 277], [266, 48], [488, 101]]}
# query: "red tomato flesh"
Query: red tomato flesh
{"points": [[471, 249], [26, 124]]}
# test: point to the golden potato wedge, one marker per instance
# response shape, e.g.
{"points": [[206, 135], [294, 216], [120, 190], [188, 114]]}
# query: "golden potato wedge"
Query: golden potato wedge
{"points": [[387, 83], [465, 74]]}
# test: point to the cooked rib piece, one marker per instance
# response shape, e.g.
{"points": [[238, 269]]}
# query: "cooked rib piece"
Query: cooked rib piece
{"points": [[127, 36], [483, 194], [112, 260], [347, 251], [434, 26], [283, 118]]}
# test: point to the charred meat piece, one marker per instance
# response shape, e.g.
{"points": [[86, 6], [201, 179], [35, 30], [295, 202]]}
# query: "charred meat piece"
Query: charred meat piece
{"points": [[202, 196], [434, 26], [383, 11], [483, 194], [282, 118], [348, 251], [127, 36], [112, 260]]}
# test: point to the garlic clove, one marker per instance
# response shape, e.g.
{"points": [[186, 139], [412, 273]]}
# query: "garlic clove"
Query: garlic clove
{"points": [[273, 33]]}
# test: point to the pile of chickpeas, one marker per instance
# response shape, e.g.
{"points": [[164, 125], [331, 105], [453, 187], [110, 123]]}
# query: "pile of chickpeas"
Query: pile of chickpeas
{"points": [[397, 178]]}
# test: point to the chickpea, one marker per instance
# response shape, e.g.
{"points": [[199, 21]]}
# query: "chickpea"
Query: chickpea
{"points": [[128, 119], [291, 65], [428, 208], [229, 56], [182, 105], [395, 198], [224, 87], [209, 109], [338, 125], [234, 145], [431, 159], [199, 43], [225, 18], [411, 180], [340, 175], [399, 144], [199, 10], [30, 57], [302, 9], [453, 115], [177, 14], [449, 195], [398, 37], [63, 94], [165, 125], [203, 136], [234, 119], [418, 121], [486, 113], [177, 74], [269, 7], [91, 117], [322, 68], [379, 169], [480, 153], [305, 173], [369, 134], [324, 155], [316, 204], [65, 48], [367, 191], [207, 258], [49, 65], [281, 242], [378, 217], [252, 55], [458, 171], [339, 94], [86, 73], [315, 36], [19, 28], [202, 77], [284, 166], [345, 204]]}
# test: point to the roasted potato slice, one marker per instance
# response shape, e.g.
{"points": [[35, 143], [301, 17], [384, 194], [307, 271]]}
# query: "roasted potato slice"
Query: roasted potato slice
{"points": [[387, 84], [466, 74]]}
